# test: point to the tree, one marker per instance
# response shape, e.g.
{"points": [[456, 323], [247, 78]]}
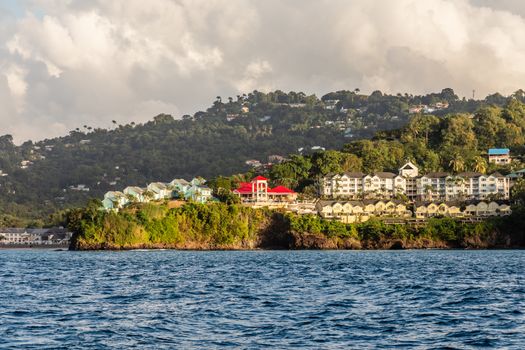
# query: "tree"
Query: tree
{"points": [[351, 162], [457, 163], [479, 164], [327, 162]]}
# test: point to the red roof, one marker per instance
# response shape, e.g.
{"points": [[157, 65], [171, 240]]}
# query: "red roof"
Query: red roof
{"points": [[260, 178], [244, 188], [281, 190]]}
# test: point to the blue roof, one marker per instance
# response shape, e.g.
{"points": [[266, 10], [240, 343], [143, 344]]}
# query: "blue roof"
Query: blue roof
{"points": [[498, 151]]}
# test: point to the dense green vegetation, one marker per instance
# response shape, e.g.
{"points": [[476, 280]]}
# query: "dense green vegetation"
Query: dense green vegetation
{"points": [[455, 143], [222, 226], [436, 229], [219, 140], [198, 226]]}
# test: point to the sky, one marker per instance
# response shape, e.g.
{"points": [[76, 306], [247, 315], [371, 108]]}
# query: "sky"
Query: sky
{"points": [[69, 63]]}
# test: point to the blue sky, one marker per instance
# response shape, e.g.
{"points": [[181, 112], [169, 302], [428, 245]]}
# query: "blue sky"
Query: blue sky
{"points": [[17, 9], [13, 7]]}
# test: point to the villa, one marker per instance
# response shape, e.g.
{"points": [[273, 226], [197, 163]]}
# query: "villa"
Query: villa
{"points": [[135, 193], [180, 186], [114, 200], [159, 191]]}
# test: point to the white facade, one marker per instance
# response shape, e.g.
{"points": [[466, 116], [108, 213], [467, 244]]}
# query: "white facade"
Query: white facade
{"points": [[159, 190], [431, 187], [21, 236]]}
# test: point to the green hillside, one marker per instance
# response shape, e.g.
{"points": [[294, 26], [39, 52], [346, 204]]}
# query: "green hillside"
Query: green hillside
{"points": [[52, 174]]}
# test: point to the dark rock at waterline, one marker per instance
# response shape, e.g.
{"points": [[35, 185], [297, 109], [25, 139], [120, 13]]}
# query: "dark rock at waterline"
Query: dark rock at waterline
{"points": [[397, 245]]}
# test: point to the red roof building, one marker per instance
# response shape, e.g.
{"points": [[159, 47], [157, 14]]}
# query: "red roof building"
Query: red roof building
{"points": [[258, 191]]}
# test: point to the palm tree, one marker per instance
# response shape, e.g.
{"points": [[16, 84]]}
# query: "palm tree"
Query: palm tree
{"points": [[457, 163], [479, 164]]}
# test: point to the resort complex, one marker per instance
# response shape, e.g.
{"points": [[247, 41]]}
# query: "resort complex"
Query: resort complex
{"points": [[352, 196], [439, 186]]}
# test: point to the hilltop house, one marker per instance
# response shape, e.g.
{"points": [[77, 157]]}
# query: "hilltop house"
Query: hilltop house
{"points": [[258, 191], [179, 186], [159, 191], [114, 200], [135, 193], [499, 155], [198, 193]]}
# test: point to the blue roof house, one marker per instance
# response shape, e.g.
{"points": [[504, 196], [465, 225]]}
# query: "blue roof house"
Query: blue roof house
{"points": [[499, 155]]}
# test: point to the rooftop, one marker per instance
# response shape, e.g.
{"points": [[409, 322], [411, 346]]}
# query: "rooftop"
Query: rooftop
{"points": [[498, 151]]}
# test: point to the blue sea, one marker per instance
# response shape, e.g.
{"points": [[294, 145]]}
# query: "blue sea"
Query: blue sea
{"points": [[262, 299]]}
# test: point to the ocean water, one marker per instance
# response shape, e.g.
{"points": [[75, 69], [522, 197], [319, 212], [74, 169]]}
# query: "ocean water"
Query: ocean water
{"points": [[262, 299]]}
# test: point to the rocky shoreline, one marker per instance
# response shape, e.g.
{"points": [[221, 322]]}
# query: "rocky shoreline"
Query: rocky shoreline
{"points": [[307, 241]]}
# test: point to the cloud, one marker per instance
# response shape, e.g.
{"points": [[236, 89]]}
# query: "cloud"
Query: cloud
{"points": [[69, 63]]}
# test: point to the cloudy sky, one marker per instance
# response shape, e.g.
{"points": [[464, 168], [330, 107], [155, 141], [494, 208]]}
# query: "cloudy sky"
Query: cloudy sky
{"points": [[67, 63]]}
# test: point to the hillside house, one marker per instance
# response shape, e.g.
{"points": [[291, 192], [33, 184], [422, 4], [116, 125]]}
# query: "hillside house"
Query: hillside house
{"points": [[135, 193], [179, 186], [159, 190], [499, 156], [199, 194], [114, 200]]}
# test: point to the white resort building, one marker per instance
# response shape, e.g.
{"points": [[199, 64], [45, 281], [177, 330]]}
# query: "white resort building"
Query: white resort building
{"points": [[430, 187]]}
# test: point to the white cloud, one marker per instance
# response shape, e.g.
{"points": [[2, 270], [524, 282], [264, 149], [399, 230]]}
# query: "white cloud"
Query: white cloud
{"points": [[76, 62]]}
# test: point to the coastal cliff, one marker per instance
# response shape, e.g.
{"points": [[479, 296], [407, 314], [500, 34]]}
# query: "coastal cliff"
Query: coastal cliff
{"points": [[222, 226]]}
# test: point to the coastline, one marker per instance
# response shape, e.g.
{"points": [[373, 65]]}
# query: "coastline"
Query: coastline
{"points": [[220, 226], [34, 246], [311, 242]]}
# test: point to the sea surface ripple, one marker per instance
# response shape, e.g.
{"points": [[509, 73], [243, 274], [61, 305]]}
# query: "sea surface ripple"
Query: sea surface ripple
{"points": [[262, 299]]}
